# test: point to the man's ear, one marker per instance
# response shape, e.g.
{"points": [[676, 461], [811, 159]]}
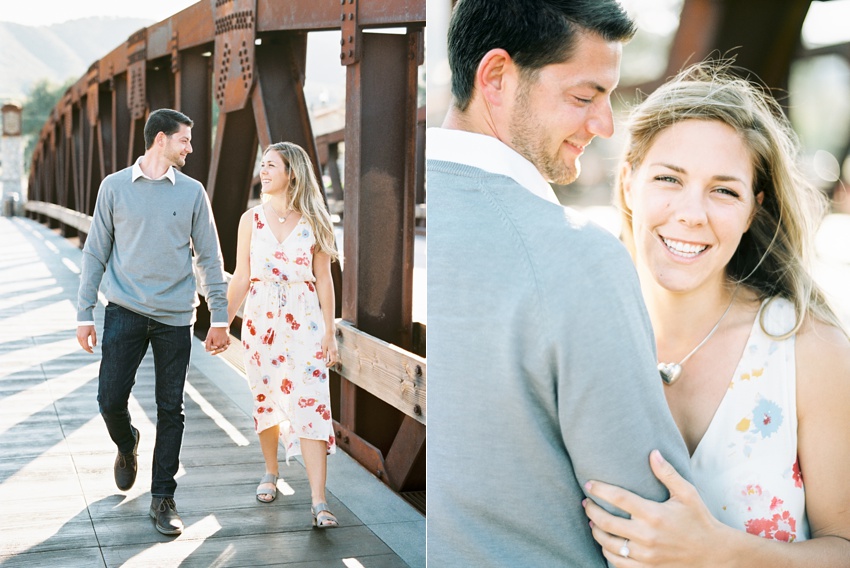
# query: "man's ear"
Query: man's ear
{"points": [[160, 138], [495, 76]]}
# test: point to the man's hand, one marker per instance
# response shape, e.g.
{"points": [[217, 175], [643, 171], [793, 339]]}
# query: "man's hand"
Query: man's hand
{"points": [[217, 340], [84, 333]]}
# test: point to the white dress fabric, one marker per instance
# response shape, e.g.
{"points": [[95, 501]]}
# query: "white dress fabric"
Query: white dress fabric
{"points": [[282, 329], [746, 465]]}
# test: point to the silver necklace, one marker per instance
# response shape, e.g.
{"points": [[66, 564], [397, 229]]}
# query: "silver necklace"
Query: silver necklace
{"points": [[282, 219], [670, 372]]}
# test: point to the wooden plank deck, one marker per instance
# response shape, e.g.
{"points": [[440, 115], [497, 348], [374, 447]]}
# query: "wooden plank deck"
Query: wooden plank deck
{"points": [[59, 501]]}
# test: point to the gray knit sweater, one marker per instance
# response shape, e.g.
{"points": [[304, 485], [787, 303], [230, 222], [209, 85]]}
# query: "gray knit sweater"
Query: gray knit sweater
{"points": [[541, 375], [140, 246]]}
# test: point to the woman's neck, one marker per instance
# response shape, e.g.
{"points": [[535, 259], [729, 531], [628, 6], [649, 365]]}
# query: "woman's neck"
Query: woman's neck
{"points": [[680, 320]]}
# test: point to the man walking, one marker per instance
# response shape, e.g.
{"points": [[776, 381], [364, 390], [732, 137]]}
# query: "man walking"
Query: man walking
{"points": [[149, 221], [540, 351]]}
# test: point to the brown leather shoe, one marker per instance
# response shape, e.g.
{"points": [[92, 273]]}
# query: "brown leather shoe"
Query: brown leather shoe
{"points": [[164, 512], [126, 466]]}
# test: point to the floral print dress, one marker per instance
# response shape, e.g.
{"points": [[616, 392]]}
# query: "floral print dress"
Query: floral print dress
{"points": [[746, 465], [282, 329]]}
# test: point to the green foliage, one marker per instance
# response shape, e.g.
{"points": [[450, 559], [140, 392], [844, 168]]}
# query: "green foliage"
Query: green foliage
{"points": [[37, 108]]}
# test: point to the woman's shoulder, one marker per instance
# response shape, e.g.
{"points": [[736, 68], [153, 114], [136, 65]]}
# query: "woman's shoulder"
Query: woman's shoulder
{"points": [[823, 363]]}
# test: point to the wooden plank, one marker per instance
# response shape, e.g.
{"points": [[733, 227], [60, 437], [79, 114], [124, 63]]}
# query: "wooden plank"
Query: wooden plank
{"points": [[80, 221], [390, 373]]}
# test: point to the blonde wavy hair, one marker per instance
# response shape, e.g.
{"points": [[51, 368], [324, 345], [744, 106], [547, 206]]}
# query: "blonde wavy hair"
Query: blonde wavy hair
{"points": [[305, 196], [773, 257]]}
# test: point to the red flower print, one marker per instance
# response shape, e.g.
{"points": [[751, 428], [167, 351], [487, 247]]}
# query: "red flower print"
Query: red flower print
{"points": [[324, 411], [311, 287], [295, 325], [775, 502], [286, 386], [269, 315], [257, 220], [260, 410], [268, 338], [318, 355], [256, 358], [331, 441], [797, 474], [290, 318], [316, 373], [305, 402], [261, 397], [281, 358], [280, 255], [781, 526]]}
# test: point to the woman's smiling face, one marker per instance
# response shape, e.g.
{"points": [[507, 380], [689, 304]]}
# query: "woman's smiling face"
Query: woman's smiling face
{"points": [[691, 200]]}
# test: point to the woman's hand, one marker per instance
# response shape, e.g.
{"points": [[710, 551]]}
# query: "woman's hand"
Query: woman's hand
{"points": [[678, 532], [330, 351]]}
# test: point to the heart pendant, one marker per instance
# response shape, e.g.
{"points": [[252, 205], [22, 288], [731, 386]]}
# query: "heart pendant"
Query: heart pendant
{"points": [[669, 372]]}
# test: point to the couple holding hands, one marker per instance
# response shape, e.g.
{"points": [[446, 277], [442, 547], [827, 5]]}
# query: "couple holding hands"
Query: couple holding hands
{"points": [[149, 222]]}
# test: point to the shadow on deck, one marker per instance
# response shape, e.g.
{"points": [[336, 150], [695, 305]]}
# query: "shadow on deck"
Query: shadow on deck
{"points": [[60, 503]]}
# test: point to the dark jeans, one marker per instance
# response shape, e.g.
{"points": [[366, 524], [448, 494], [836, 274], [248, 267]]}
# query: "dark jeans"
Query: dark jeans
{"points": [[126, 336]]}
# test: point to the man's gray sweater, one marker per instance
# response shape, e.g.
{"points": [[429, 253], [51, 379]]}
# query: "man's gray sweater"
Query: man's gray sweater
{"points": [[541, 375], [140, 245]]}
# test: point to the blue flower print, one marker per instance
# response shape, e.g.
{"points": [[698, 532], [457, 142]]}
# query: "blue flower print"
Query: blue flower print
{"points": [[767, 417], [314, 326]]}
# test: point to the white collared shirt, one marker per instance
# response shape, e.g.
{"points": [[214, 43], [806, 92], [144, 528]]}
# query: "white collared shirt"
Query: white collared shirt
{"points": [[489, 154], [137, 173]]}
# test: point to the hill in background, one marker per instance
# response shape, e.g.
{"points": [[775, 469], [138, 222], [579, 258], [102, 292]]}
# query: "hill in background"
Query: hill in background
{"points": [[58, 52]]}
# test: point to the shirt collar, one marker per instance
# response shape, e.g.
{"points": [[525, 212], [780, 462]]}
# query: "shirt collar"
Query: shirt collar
{"points": [[489, 154], [169, 173]]}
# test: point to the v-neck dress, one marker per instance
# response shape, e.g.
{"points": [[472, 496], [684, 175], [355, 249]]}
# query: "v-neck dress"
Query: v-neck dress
{"points": [[746, 465], [282, 329]]}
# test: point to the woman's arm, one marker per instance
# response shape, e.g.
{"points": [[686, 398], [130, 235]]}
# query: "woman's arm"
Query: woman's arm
{"points": [[327, 301], [240, 282], [682, 532]]}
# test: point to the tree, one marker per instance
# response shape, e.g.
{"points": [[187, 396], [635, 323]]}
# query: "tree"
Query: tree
{"points": [[37, 108]]}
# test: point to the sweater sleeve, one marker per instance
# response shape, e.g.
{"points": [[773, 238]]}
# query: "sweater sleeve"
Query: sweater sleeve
{"points": [[96, 252], [611, 404], [208, 259]]}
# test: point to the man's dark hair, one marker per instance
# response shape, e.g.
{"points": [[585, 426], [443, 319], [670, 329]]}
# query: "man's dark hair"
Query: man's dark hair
{"points": [[535, 33], [164, 120]]}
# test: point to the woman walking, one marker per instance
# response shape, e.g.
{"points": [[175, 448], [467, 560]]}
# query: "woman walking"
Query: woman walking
{"points": [[283, 265]]}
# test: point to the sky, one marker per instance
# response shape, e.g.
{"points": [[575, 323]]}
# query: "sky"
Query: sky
{"points": [[47, 12]]}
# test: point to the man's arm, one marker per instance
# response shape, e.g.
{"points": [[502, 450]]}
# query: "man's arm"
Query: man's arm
{"points": [[209, 261], [96, 254], [611, 404]]}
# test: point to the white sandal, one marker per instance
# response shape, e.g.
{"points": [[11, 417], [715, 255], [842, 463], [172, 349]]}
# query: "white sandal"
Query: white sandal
{"points": [[267, 478]]}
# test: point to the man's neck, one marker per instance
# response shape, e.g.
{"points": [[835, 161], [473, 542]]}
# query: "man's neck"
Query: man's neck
{"points": [[153, 165], [469, 121]]}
